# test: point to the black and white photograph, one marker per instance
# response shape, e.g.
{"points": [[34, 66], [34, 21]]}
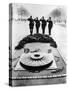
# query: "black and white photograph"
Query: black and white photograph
{"points": [[37, 44]]}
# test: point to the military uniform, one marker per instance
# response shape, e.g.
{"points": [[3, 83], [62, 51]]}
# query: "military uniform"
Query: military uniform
{"points": [[37, 25], [50, 25], [43, 25], [31, 25]]}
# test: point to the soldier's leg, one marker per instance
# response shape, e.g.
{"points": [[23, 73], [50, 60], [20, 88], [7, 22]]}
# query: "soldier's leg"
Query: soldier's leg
{"points": [[49, 31], [37, 30], [31, 31], [43, 29]]}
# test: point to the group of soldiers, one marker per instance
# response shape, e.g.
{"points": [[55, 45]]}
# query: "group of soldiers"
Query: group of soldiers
{"points": [[37, 24]]}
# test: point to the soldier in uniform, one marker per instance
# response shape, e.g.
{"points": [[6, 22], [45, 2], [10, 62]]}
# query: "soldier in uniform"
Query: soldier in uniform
{"points": [[31, 24], [50, 25], [37, 24], [43, 25]]}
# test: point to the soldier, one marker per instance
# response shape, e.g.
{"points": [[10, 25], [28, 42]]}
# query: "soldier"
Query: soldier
{"points": [[50, 25], [37, 24], [43, 24], [31, 24]]}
